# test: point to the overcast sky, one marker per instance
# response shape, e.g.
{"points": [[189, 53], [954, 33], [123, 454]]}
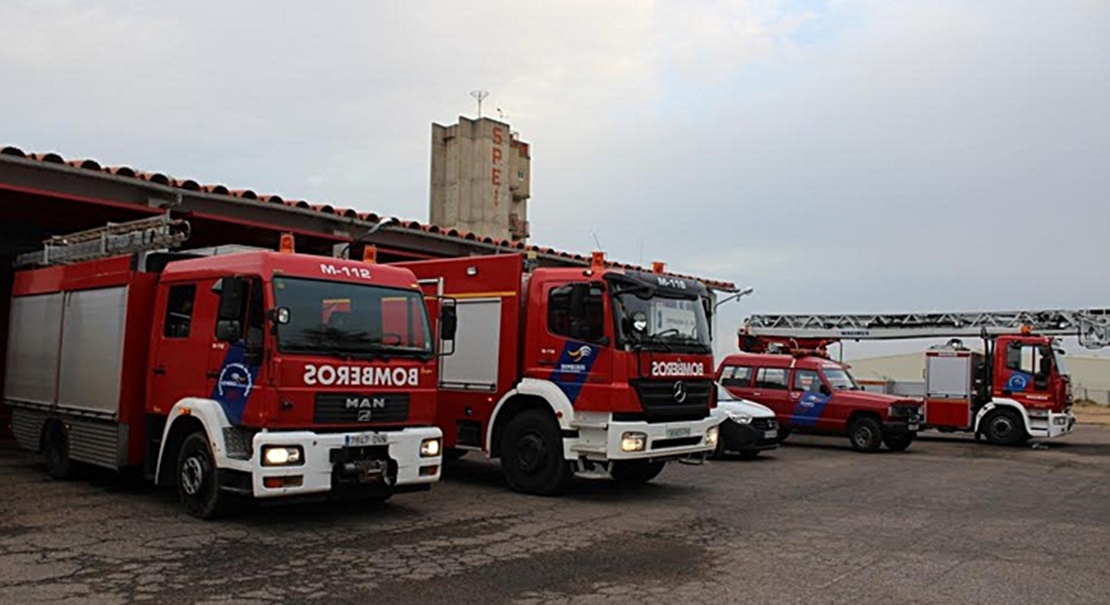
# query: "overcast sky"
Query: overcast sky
{"points": [[840, 156]]}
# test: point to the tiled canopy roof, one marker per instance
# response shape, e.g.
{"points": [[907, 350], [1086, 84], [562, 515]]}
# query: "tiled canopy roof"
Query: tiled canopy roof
{"points": [[372, 217]]}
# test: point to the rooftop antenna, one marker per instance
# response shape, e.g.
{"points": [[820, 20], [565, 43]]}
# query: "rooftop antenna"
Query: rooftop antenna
{"points": [[479, 95], [596, 241]]}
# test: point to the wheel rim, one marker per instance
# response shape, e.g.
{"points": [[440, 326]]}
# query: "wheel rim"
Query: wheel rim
{"points": [[192, 475], [863, 436], [1002, 427], [531, 453]]}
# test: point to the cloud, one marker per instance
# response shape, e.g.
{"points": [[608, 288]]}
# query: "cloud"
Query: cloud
{"points": [[854, 155]]}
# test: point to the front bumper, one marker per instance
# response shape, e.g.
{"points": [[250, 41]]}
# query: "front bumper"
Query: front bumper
{"points": [[664, 440], [749, 437], [1060, 424], [329, 458]]}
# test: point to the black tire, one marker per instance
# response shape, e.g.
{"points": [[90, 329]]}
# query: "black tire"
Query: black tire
{"points": [[1004, 427], [532, 455], [635, 471], [451, 454], [865, 434], [55, 451], [749, 454], [196, 478], [898, 442]]}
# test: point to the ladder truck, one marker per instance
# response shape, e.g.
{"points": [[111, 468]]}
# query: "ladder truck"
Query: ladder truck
{"points": [[1015, 389], [225, 372]]}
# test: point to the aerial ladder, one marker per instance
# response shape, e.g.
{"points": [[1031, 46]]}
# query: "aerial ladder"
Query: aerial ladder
{"points": [[1016, 388]]}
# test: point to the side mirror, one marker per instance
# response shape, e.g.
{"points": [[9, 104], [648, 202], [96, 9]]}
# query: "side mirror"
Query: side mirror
{"points": [[448, 320], [228, 330], [231, 297], [825, 390]]}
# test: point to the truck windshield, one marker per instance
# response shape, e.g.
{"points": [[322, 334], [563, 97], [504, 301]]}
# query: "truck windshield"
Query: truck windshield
{"points": [[351, 320], [840, 380], [672, 323]]}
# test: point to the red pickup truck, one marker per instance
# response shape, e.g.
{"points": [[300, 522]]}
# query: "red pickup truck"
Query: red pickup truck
{"points": [[812, 394]]}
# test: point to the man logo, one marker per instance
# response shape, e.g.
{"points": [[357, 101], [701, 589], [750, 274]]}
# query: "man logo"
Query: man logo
{"points": [[581, 353], [679, 391], [365, 403]]}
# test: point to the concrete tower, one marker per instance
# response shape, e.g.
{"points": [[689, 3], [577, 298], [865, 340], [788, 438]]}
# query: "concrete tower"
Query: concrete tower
{"points": [[480, 179]]}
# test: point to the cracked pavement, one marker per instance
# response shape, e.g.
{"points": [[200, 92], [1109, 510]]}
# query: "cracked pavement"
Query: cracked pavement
{"points": [[948, 521]]}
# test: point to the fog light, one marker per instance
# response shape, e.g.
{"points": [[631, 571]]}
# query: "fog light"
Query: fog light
{"points": [[428, 471], [280, 482], [711, 436], [430, 448], [633, 442], [282, 455]]}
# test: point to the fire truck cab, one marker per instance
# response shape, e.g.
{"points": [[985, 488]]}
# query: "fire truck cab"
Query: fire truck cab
{"points": [[812, 394], [259, 374], [562, 371]]}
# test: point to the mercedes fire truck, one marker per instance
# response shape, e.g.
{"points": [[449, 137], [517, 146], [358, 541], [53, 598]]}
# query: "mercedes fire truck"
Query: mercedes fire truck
{"points": [[595, 372], [1015, 389], [264, 374]]}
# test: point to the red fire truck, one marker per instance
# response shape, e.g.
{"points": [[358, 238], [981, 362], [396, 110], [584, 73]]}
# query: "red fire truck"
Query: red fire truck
{"points": [[1015, 389], [595, 372], [261, 374]]}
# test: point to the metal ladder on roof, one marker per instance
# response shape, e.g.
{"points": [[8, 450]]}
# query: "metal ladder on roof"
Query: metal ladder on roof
{"points": [[1091, 326], [113, 239]]}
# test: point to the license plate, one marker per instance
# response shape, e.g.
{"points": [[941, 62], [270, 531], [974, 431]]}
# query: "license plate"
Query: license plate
{"points": [[678, 432], [770, 434], [913, 426], [361, 439]]}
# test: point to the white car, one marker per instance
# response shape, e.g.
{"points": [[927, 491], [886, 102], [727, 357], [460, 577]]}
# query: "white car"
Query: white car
{"points": [[747, 427]]}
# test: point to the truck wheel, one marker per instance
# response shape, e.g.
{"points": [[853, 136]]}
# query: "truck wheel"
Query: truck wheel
{"points": [[55, 451], [196, 478], [532, 455], [897, 442], [1004, 427], [865, 434], [635, 471]]}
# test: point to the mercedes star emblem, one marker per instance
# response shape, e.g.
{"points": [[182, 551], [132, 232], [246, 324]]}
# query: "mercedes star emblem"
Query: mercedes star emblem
{"points": [[680, 391]]}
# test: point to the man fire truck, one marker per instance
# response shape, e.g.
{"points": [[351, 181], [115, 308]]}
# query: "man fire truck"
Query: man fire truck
{"points": [[1015, 389], [595, 372], [259, 373]]}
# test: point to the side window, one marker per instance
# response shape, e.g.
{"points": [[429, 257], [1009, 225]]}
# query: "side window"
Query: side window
{"points": [[179, 311], [1022, 358], [252, 311], [588, 325], [806, 380], [736, 376], [771, 378]]}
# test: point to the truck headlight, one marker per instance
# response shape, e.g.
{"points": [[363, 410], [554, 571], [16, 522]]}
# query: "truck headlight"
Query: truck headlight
{"points": [[739, 418], [430, 448], [712, 435], [633, 442], [282, 455]]}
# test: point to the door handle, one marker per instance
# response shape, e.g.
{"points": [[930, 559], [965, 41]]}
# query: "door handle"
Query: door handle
{"points": [[212, 373], [159, 370], [756, 393], [546, 362]]}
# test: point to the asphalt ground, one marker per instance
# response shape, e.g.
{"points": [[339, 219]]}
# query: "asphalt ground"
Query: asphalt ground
{"points": [[949, 521]]}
